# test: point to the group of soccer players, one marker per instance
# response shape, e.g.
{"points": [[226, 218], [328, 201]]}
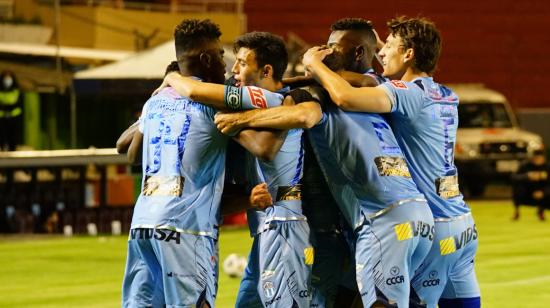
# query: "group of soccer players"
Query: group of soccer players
{"points": [[347, 176]]}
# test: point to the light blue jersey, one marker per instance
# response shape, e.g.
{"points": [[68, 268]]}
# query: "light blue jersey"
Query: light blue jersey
{"points": [[282, 176], [361, 160], [280, 262], [425, 119], [183, 166], [370, 180]]}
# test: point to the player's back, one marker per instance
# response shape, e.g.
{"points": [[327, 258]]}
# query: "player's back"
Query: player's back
{"points": [[358, 152], [425, 120], [183, 166]]}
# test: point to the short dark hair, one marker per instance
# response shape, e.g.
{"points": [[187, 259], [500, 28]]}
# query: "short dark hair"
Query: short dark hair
{"points": [[269, 49], [358, 24], [422, 36], [172, 67], [190, 33]]}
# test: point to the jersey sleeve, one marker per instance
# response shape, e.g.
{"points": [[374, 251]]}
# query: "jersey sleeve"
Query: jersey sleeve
{"points": [[249, 97], [402, 98]]}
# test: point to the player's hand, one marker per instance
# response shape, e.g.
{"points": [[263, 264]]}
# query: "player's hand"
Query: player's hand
{"points": [[228, 123], [165, 82], [315, 55], [379, 43], [260, 197], [538, 194]]}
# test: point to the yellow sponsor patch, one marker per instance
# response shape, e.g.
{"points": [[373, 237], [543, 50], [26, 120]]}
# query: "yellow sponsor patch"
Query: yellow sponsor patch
{"points": [[447, 246], [308, 255], [403, 231]]}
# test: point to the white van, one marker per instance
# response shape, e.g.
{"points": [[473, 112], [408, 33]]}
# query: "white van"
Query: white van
{"points": [[490, 144]]}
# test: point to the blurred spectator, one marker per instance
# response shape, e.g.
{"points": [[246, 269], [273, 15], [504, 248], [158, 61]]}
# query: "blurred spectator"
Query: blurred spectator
{"points": [[531, 184], [10, 111]]}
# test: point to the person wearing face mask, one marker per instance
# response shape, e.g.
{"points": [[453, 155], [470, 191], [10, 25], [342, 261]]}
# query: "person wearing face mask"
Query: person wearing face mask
{"points": [[10, 111]]}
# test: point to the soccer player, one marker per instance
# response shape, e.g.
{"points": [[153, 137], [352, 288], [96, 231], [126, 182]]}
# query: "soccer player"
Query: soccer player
{"points": [[369, 178], [280, 261], [174, 228], [425, 119]]}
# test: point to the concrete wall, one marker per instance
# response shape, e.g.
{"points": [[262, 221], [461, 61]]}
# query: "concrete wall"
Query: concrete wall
{"points": [[110, 28]]}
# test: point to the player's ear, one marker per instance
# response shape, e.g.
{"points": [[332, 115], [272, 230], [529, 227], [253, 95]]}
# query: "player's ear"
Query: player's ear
{"points": [[409, 55], [267, 71], [359, 52], [205, 59]]}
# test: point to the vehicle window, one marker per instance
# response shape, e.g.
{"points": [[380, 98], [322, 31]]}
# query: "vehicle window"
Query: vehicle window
{"points": [[483, 115]]}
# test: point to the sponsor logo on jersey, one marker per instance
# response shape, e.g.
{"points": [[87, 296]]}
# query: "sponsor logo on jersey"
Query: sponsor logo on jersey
{"points": [[403, 231], [433, 281], [447, 186], [304, 293], [257, 97], [167, 186], [408, 230], [157, 234], [309, 255], [396, 279], [454, 243], [398, 84], [392, 166], [267, 273]]}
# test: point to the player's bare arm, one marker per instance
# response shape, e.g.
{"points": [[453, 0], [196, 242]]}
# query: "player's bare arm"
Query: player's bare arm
{"points": [[211, 94], [125, 138], [219, 96], [234, 200], [304, 115], [365, 99], [264, 144], [135, 149]]}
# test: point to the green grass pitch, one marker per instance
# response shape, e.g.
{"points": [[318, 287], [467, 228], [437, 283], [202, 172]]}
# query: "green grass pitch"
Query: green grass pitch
{"points": [[513, 264]]}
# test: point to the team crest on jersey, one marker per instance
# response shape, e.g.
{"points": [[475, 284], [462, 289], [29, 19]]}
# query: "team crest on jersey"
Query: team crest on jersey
{"points": [[269, 290], [257, 97], [392, 166], [399, 84]]}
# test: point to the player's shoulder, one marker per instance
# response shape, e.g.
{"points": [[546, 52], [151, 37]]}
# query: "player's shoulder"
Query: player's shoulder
{"points": [[400, 85], [317, 92]]}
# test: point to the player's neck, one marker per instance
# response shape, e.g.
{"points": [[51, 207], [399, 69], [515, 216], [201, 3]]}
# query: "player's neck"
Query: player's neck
{"points": [[270, 85], [411, 74], [190, 70]]}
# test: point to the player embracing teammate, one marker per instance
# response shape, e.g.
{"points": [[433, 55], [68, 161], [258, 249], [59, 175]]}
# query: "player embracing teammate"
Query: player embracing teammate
{"points": [[392, 178]]}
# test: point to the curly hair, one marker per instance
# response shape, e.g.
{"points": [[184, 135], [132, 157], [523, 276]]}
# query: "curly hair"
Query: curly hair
{"points": [[172, 67], [422, 36], [192, 32], [269, 49], [358, 24]]}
